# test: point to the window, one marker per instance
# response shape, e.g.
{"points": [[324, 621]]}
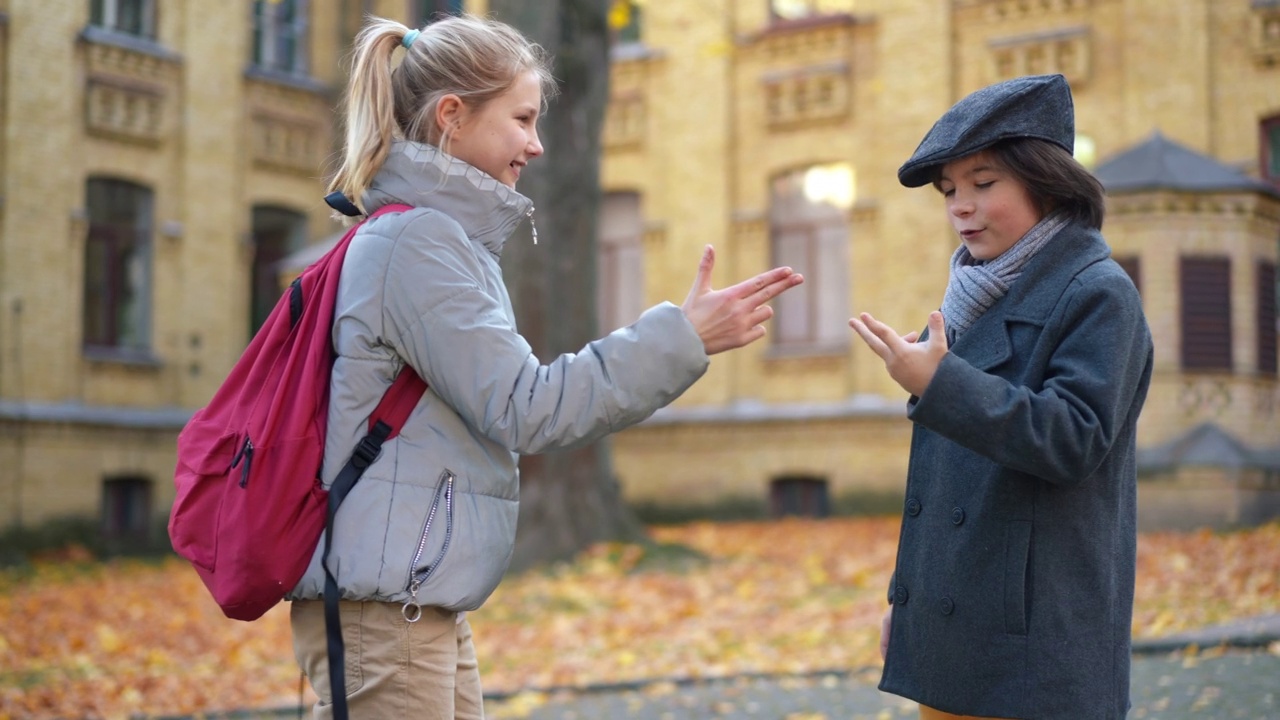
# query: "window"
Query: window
{"points": [[796, 9], [624, 20], [1206, 313], [620, 261], [422, 12], [276, 233], [131, 17], [117, 266], [126, 507], [280, 36], [1266, 316], [803, 496], [809, 231], [1132, 267], [1270, 146]]}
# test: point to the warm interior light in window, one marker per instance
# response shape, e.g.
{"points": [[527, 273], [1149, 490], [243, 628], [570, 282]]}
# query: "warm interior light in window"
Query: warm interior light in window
{"points": [[1086, 151], [832, 184]]}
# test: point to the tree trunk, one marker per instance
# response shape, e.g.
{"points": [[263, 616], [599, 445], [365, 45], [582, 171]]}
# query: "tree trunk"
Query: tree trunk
{"points": [[569, 500]]}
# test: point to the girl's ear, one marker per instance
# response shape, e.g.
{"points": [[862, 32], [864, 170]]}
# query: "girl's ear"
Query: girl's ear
{"points": [[449, 113]]}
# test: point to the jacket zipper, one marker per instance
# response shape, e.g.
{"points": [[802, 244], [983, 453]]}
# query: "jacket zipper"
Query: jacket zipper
{"points": [[245, 453], [444, 489]]}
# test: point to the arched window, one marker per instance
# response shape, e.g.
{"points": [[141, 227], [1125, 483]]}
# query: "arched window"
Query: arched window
{"points": [[620, 261], [809, 231], [117, 266], [276, 233]]}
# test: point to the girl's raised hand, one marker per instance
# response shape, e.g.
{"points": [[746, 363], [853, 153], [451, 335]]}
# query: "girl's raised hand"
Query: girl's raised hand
{"points": [[730, 318], [911, 364]]}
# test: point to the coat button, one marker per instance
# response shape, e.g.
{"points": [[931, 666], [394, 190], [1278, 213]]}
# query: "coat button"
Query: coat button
{"points": [[900, 595], [948, 606], [957, 516], [913, 507]]}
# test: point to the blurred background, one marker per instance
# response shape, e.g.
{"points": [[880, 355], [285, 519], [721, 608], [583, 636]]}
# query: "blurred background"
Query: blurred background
{"points": [[164, 164]]}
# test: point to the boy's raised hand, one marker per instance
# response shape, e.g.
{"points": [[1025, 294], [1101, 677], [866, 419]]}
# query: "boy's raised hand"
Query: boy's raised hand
{"points": [[730, 318], [911, 364]]}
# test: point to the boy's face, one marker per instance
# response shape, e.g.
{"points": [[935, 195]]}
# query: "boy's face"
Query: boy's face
{"points": [[502, 136], [987, 205]]}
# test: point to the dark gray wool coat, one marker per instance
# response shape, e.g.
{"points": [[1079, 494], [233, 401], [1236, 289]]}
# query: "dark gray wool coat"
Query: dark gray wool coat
{"points": [[1013, 591]]}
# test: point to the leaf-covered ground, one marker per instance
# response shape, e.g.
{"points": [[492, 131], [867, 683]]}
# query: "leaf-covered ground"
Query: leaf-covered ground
{"points": [[128, 638]]}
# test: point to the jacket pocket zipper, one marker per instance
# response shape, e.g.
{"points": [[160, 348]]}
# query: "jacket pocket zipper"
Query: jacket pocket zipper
{"points": [[444, 491]]}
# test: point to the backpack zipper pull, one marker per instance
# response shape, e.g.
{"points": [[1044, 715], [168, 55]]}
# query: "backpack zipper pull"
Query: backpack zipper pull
{"points": [[245, 453]]}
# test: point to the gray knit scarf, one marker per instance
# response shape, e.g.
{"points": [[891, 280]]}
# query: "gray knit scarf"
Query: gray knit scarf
{"points": [[975, 285]]}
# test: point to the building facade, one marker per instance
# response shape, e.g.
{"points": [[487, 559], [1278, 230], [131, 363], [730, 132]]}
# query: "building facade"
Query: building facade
{"points": [[775, 130], [161, 158]]}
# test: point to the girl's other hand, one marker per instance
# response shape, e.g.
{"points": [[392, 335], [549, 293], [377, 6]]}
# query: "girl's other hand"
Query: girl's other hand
{"points": [[910, 363], [732, 317]]}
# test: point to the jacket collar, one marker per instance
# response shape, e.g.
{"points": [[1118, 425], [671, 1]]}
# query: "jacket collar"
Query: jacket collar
{"points": [[1033, 296], [422, 175]]}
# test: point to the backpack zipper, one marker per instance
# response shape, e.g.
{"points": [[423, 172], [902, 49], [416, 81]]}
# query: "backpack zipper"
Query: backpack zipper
{"points": [[412, 611], [246, 453]]}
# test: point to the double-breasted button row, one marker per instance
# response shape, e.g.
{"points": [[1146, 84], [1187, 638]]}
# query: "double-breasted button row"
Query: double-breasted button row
{"points": [[914, 507], [947, 606], [900, 595]]}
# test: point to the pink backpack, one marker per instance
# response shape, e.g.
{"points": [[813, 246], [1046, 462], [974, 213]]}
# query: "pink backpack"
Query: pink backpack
{"points": [[250, 506]]}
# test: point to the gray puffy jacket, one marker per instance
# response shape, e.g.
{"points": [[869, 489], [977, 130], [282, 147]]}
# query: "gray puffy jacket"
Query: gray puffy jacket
{"points": [[433, 519]]}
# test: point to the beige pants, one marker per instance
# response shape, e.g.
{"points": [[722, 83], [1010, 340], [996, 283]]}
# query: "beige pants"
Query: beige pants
{"points": [[928, 713], [394, 669]]}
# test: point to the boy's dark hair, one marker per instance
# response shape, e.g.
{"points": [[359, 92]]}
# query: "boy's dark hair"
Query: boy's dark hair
{"points": [[1054, 179]]}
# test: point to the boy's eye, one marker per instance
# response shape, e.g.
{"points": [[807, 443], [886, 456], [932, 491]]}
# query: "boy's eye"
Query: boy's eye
{"points": [[985, 185]]}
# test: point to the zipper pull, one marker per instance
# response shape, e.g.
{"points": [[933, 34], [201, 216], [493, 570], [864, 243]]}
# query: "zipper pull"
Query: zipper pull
{"points": [[412, 611], [247, 452], [532, 224]]}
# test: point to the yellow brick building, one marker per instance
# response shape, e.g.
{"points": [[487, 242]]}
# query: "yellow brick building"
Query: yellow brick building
{"points": [[160, 158]]}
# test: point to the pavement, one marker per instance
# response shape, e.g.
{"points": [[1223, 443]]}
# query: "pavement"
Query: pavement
{"points": [[1225, 672]]}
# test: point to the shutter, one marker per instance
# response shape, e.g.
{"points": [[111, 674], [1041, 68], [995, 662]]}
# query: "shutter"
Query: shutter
{"points": [[1206, 313], [1267, 290]]}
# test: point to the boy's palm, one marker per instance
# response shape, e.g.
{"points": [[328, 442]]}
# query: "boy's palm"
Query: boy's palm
{"points": [[910, 363]]}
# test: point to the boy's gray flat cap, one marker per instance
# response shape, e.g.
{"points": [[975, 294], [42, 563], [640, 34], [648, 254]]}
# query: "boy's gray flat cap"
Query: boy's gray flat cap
{"points": [[1035, 106]]}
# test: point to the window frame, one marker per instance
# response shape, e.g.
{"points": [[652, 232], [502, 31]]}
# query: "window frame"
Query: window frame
{"points": [[1265, 317], [118, 241], [613, 309], [105, 14], [267, 223], [1269, 149], [269, 31], [820, 258]]}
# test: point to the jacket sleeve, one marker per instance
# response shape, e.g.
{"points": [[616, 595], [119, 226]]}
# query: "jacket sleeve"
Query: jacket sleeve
{"points": [[459, 338], [1093, 381]]}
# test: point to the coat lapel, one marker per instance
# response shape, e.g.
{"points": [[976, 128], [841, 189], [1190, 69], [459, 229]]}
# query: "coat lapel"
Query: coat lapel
{"points": [[1032, 297]]}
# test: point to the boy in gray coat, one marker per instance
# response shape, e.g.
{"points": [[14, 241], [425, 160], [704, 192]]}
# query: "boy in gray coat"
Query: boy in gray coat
{"points": [[1012, 595]]}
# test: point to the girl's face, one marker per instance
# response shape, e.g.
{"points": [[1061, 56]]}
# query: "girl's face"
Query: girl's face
{"points": [[502, 135], [988, 206]]}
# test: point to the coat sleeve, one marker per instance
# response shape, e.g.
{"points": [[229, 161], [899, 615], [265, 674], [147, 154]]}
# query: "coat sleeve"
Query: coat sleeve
{"points": [[1093, 381], [459, 338]]}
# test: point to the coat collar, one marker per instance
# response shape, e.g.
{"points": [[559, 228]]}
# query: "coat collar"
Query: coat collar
{"points": [[1033, 296], [422, 175]]}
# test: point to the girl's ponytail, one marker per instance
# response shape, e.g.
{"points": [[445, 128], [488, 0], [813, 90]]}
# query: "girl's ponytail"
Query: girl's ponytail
{"points": [[370, 108]]}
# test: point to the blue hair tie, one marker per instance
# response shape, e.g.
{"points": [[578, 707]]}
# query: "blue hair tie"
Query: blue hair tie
{"points": [[409, 37]]}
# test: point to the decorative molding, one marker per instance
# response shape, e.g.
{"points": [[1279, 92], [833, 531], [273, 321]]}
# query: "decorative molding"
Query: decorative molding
{"points": [[1000, 10], [818, 93], [1264, 33], [287, 127], [126, 93], [283, 143], [1066, 51], [1170, 203], [624, 124]]}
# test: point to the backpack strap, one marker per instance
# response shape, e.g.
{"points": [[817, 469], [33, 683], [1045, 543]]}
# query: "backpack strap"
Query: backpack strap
{"points": [[393, 410]]}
